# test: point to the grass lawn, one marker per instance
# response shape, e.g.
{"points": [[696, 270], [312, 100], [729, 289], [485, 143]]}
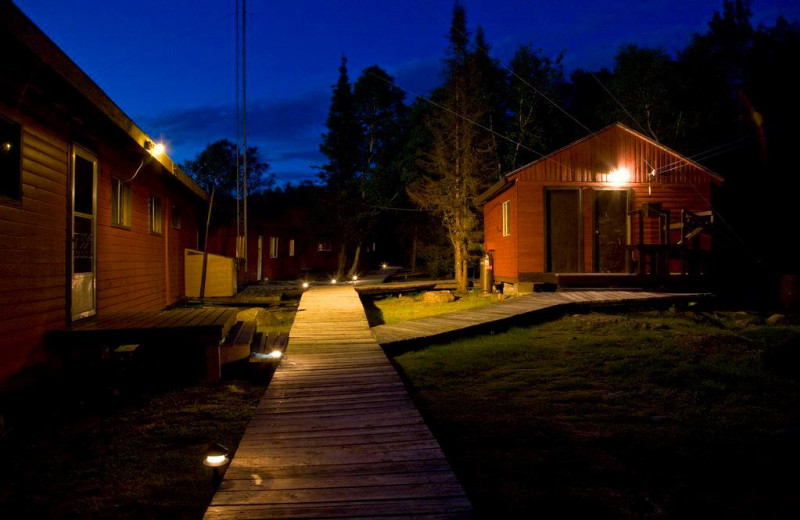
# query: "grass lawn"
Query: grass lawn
{"points": [[641, 415], [383, 310]]}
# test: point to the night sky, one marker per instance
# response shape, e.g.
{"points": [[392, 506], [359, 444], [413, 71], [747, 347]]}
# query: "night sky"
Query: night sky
{"points": [[170, 64]]}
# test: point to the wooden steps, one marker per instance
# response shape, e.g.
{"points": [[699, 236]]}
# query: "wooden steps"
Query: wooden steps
{"points": [[237, 344]]}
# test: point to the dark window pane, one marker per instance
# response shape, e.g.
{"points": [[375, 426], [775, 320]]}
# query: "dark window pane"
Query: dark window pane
{"points": [[10, 157], [84, 185]]}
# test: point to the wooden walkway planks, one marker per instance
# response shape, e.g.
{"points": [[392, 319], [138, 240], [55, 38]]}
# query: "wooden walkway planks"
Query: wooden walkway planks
{"points": [[336, 435], [444, 324]]}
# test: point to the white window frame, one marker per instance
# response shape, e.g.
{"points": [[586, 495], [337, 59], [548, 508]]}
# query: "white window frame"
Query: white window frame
{"points": [[120, 203], [156, 212], [273, 247], [506, 218]]}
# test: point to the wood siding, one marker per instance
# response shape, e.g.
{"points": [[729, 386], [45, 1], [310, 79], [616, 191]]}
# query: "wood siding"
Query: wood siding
{"points": [[677, 184], [33, 264], [504, 248], [57, 106]]}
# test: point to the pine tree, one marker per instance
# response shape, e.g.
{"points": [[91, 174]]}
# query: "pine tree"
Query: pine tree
{"points": [[340, 145], [457, 167]]}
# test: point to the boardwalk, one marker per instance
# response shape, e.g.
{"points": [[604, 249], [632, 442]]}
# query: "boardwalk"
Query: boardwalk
{"points": [[336, 435], [503, 312]]}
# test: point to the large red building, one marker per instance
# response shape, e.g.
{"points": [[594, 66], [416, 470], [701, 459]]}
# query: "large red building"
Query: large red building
{"points": [[91, 222], [615, 202]]}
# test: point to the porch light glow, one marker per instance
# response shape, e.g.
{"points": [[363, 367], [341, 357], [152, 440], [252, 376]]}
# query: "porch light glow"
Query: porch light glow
{"points": [[275, 354], [154, 148], [305, 285], [618, 177], [333, 281], [355, 277]]}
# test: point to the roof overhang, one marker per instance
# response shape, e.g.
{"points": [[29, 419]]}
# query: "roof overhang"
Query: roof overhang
{"points": [[14, 22], [496, 189]]}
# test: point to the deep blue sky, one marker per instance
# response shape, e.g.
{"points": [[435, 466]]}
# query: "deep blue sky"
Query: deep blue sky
{"points": [[169, 64]]}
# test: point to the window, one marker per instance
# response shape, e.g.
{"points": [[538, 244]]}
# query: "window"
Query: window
{"points": [[155, 215], [10, 160], [176, 217], [273, 247], [291, 247], [325, 245], [120, 203], [506, 218]]}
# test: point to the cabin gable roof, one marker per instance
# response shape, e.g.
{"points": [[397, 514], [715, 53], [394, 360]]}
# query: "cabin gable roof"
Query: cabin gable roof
{"points": [[591, 158]]}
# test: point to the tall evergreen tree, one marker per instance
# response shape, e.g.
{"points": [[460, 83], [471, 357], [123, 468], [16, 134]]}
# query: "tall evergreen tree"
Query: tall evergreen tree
{"points": [[536, 83], [491, 88], [340, 145], [456, 167], [382, 116]]}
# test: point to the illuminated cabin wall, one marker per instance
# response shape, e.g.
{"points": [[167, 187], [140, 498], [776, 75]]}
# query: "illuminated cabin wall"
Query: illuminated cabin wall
{"points": [[135, 269], [677, 185]]}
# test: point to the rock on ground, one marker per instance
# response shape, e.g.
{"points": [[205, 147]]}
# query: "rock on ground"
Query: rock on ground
{"points": [[438, 297]]}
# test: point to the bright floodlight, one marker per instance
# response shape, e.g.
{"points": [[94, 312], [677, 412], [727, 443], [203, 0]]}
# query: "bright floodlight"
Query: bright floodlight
{"points": [[618, 177], [305, 285], [355, 277], [275, 354], [333, 280], [158, 149]]}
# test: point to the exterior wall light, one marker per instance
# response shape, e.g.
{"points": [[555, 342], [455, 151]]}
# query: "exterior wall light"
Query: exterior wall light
{"points": [[618, 176], [333, 281], [305, 285], [154, 148]]}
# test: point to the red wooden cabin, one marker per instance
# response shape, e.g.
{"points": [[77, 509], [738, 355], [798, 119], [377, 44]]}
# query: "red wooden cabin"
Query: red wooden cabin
{"points": [[614, 203], [279, 245], [90, 221]]}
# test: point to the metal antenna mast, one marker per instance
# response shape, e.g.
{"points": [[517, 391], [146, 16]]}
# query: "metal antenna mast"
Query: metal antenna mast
{"points": [[244, 126]]}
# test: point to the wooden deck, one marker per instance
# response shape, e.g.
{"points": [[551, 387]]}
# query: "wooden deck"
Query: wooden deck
{"points": [[336, 435], [204, 328], [504, 312]]}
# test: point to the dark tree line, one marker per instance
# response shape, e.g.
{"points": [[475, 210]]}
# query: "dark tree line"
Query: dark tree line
{"points": [[399, 172]]}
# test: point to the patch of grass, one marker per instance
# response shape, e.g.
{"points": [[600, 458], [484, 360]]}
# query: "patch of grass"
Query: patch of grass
{"points": [[642, 415], [141, 458], [394, 309]]}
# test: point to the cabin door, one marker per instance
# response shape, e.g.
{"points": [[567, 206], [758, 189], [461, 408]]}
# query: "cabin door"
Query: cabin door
{"points": [[610, 230], [260, 256], [82, 258], [563, 230]]}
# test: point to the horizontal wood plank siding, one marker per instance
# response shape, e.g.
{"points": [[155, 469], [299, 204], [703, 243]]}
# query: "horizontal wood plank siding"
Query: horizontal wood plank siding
{"points": [[33, 263], [505, 255]]}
